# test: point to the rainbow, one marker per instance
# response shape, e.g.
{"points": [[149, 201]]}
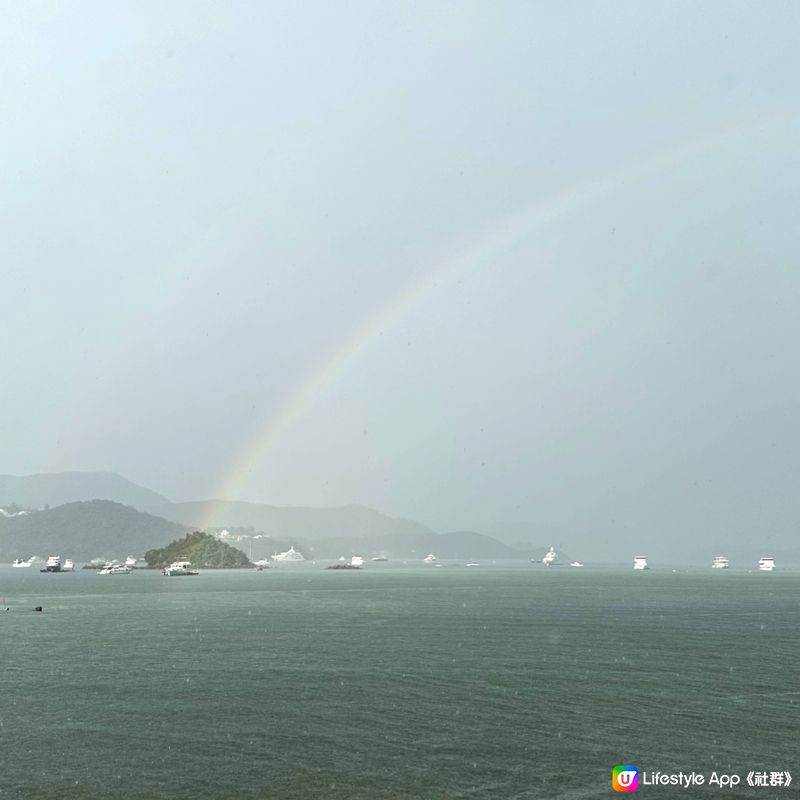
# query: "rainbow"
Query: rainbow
{"points": [[477, 254]]}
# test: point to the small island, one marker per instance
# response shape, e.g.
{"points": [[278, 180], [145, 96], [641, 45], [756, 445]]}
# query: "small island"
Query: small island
{"points": [[202, 549]]}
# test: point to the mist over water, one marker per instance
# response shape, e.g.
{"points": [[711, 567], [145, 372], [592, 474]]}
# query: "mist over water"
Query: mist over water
{"points": [[391, 682]]}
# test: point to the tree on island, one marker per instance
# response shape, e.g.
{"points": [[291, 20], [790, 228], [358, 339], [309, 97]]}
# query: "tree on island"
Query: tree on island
{"points": [[202, 549]]}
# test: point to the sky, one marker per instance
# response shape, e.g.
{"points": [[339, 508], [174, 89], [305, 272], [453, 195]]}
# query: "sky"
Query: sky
{"points": [[504, 266]]}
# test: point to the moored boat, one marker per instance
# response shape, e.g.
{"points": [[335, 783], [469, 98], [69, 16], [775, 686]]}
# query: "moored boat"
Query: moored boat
{"points": [[720, 562], [53, 564], [110, 568], [766, 564], [290, 555], [550, 557], [640, 562], [178, 568]]}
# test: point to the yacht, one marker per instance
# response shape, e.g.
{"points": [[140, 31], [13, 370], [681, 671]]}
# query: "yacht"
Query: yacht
{"points": [[550, 557], [53, 564], [177, 568], [290, 555], [766, 564], [640, 562], [430, 559], [68, 565], [720, 562], [18, 562], [130, 561], [357, 561], [110, 568]]}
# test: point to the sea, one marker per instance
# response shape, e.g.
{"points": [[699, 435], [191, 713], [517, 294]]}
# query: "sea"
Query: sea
{"points": [[398, 681]]}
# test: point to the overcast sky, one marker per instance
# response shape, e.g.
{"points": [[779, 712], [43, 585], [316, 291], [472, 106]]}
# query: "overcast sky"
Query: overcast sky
{"points": [[486, 264]]}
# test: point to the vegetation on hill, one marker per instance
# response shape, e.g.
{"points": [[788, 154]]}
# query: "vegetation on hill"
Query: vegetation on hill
{"points": [[82, 531], [202, 549]]}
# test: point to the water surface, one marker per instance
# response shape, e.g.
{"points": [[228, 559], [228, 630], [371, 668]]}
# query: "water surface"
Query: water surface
{"points": [[506, 681]]}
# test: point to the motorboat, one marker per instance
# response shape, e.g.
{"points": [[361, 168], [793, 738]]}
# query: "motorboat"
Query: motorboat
{"points": [[576, 564], [473, 564], [356, 561], [550, 557], [640, 562], [720, 562], [53, 564], [430, 559], [179, 568], [380, 558], [68, 565], [18, 562], [766, 564], [110, 568], [290, 555]]}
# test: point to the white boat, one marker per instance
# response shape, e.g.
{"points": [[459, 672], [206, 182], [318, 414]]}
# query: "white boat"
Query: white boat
{"points": [[18, 562], [430, 559], [473, 564], [109, 568], [290, 555], [68, 565], [576, 564], [766, 564], [178, 568], [53, 564], [130, 561], [550, 557], [357, 561], [380, 558], [720, 562], [640, 562]]}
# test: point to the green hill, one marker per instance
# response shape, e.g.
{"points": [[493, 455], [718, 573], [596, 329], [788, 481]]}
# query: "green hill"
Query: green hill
{"points": [[82, 531], [202, 549]]}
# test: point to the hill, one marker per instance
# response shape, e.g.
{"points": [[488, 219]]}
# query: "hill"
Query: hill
{"points": [[55, 489], [455, 545], [333, 532], [84, 530], [202, 549], [343, 530], [289, 523]]}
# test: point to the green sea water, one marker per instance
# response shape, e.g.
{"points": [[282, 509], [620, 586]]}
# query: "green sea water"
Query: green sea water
{"points": [[504, 681]]}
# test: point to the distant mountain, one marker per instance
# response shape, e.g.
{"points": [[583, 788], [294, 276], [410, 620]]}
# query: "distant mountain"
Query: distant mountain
{"points": [[332, 532], [55, 489], [85, 530], [411, 547], [291, 523]]}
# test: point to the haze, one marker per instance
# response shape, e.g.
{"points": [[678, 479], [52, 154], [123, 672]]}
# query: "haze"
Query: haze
{"points": [[504, 266]]}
